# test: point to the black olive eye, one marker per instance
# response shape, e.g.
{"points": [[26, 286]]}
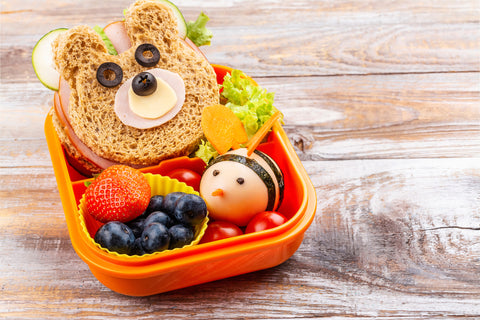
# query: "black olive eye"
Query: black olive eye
{"points": [[144, 84], [109, 74], [216, 173], [147, 55], [240, 180]]}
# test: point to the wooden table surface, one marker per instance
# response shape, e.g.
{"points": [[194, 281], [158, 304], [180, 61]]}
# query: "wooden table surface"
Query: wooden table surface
{"points": [[382, 103]]}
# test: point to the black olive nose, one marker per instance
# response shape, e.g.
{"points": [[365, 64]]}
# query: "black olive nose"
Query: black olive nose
{"points": [[144, 84]]}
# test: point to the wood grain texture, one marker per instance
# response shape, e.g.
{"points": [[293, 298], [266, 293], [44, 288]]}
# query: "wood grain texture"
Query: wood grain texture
{"points": [[382, 103], [272, 39], [381, 116]]}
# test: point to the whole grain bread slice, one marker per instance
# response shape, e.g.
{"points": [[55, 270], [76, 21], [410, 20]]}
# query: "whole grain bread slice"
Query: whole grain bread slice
{"points": [[80, 51]]}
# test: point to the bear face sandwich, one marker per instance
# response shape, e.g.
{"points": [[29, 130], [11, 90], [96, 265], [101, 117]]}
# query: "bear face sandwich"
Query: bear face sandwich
{"points": [[138, 107], [133, 92]]}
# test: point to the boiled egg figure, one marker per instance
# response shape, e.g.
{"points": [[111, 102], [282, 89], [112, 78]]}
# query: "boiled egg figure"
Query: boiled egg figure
{"points": [[236, 186]]}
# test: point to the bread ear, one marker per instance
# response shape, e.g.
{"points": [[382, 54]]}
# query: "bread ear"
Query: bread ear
{"points": [[150, 21], [78, 50]]}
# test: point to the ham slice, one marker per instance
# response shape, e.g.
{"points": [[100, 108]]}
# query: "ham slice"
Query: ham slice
{"points": [[58, 110], [117, 34], [85, 151], [64, 95]]}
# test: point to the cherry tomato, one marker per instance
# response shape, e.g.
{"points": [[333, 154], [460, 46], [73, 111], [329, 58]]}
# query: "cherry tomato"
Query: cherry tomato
{"points": [[265, 220], [220, 230], [188, 176]]}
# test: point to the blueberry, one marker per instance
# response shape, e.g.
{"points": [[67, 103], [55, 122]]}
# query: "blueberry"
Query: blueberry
{"points": [[115, 236], [190, 210], [144, 215], [180, 236], [137, 248], [137, 226], [170, 202], [160, 217], [155, 204], [155, 237]]}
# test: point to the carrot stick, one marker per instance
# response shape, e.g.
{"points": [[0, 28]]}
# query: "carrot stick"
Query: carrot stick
{"points": [[262, 132], [223, 128]]}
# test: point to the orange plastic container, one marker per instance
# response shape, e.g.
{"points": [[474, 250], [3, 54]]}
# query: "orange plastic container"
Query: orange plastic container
{"points": [[170, 270]]}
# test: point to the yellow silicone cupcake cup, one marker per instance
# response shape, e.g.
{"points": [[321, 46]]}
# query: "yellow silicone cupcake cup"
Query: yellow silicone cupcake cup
{"points": [[160, 185]]}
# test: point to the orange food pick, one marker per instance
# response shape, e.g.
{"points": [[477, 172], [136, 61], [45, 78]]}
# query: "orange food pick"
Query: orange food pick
{"points": [[262, 132], [223, 128]]}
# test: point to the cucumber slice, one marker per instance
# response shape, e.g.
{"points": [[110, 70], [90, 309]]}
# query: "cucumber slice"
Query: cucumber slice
{"points": [[182, 24], [42, 60]]}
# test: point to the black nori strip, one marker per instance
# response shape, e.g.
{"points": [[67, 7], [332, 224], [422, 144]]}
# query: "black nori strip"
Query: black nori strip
{"points": [[277, 171]]}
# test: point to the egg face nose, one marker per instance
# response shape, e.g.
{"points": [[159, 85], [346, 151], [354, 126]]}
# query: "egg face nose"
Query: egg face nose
{"points": [[218, 193], [144, 84]]}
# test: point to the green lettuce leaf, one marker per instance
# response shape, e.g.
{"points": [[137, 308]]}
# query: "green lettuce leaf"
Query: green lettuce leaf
{"points": [[198, 32], [106, 40], [206, 151], [252, 104]]}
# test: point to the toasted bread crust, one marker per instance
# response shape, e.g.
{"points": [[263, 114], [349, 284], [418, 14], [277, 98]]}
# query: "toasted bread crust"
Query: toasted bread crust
{"points": [[78, 53]]}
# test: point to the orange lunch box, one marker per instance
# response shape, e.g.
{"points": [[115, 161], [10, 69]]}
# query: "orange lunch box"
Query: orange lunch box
{"points": [[174, 269]]}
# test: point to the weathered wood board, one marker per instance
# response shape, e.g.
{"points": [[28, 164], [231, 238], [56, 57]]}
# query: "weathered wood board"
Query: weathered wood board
{"points": [[382, 102]]}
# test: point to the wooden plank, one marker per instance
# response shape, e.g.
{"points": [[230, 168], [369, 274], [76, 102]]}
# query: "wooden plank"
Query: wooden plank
{"points": [[413, 225], [382, 116], [276, 12], [309, 38]]}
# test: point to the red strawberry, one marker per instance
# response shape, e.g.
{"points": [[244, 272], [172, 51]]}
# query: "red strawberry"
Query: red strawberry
{"points": [[119, 193]]}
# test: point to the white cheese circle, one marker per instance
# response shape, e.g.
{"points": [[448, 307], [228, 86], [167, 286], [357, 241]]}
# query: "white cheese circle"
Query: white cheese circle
{"points": [[154, 105]]}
